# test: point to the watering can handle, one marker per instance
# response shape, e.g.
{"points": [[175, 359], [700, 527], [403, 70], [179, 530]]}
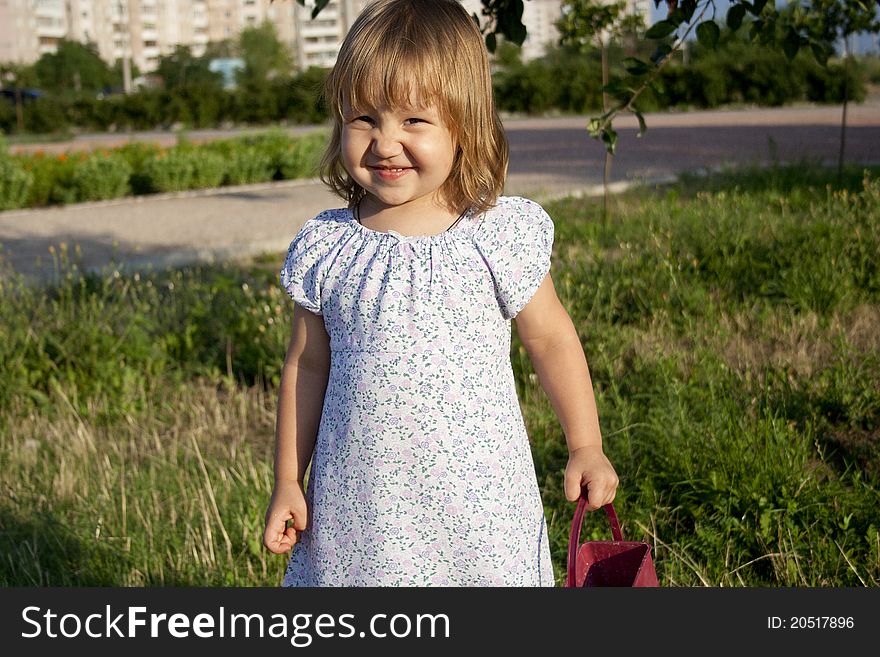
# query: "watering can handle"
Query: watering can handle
{"points": [[576, 524]]}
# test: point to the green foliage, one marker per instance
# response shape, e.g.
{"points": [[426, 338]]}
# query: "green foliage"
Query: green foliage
{"points": [[265, 56], [15, 183], [43, 115], [97, 176], [197, 104], [732, 72], [245, 164], [73, 67], [301, 158], [729, 322], [184, 168], [104, 175], [180, 69], [737, 72], [584, 23], [139, 168]]}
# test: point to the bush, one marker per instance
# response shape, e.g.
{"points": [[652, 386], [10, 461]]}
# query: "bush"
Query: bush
{"points": [[183, 168], [248, 165], [137, 154], [45, 115], [274, 143], [302, 157], [15, 183], [103, 175]]}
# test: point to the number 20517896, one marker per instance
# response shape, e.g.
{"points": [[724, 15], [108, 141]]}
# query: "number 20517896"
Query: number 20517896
{"points": [[810, 623]]}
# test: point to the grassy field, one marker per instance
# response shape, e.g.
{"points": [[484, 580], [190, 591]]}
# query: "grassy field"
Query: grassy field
{"points": [[732, 325]]}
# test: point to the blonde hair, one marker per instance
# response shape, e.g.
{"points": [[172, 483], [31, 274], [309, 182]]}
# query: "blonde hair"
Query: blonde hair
{"points": [[431, 49]]}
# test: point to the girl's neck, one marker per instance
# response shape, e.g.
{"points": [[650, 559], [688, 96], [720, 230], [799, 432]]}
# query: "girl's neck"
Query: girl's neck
{"points": [[428, 219]]}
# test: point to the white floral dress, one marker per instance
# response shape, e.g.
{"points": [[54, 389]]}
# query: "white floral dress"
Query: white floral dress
{"points": [[422, 473]]}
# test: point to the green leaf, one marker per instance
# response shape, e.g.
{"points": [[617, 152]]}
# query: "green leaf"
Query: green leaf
{"points": [[768, 32], [319, 5], [820, 52], [491, 42], [636, 66], [791, 43], [643, 127], [518, 34], [708, 33], [593, 127], [759, 6], [661, 53], [688, 7], [660, 30], [609, 137], [510, 23], [755, 28], [735, 17], [618, 89]]}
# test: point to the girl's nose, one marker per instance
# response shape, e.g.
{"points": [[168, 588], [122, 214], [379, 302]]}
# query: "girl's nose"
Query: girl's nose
{"points": [[385, 144]]}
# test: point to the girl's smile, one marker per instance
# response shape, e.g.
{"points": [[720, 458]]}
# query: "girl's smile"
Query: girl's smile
{"points": [[401, 157], [389, 173]]}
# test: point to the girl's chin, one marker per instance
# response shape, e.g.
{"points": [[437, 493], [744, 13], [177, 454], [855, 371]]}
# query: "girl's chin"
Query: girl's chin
{"points": [[383, 201]]}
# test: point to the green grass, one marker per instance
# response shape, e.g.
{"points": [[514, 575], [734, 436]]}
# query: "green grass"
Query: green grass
{"points": [[730, 322]]}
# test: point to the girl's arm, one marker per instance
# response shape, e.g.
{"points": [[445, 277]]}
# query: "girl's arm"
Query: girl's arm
{"points": [[548, 334], [300, 402]]}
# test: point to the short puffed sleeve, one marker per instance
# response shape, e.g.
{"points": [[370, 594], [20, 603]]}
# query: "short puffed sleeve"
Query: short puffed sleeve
{"points": [[515, 239], [301, 273]]}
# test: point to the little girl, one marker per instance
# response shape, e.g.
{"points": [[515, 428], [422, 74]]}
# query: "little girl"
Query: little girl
{"points": [[397, 384]]}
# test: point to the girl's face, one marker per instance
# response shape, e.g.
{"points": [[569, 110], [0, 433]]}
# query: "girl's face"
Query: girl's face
{"points": [[401, 157]]}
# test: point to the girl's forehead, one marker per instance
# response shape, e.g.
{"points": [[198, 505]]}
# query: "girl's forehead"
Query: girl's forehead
{"points": [[414, 103], [393, 91], [389, 105]]}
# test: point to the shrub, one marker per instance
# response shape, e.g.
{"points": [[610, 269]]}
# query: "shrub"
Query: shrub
{"points": [[137, 153], [248, 165], [183, 168], [15, 183], [274, 143], [302, 157], [103, 175]]}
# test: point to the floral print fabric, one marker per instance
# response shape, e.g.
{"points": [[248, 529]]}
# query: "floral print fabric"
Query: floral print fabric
{"points": [[422, 473]]}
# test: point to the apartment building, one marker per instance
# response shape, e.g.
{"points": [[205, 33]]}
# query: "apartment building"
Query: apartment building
{"points": [[141, 29], [318, 39], [144, 30]]}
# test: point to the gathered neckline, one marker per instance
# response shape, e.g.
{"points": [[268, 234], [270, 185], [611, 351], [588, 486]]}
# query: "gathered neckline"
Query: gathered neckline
{"points": [[460, 226]]}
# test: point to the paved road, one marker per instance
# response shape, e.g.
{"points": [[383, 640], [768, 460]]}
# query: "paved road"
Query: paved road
{"points": [[549, 157]]}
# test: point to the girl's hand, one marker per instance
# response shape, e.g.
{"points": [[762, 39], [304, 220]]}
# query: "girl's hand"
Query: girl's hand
{"points": [[288, 503], [589, 467]]}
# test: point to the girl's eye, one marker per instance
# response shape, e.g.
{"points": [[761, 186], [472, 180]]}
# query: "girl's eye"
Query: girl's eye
{"points": [[413, 121], [362, 119]]}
